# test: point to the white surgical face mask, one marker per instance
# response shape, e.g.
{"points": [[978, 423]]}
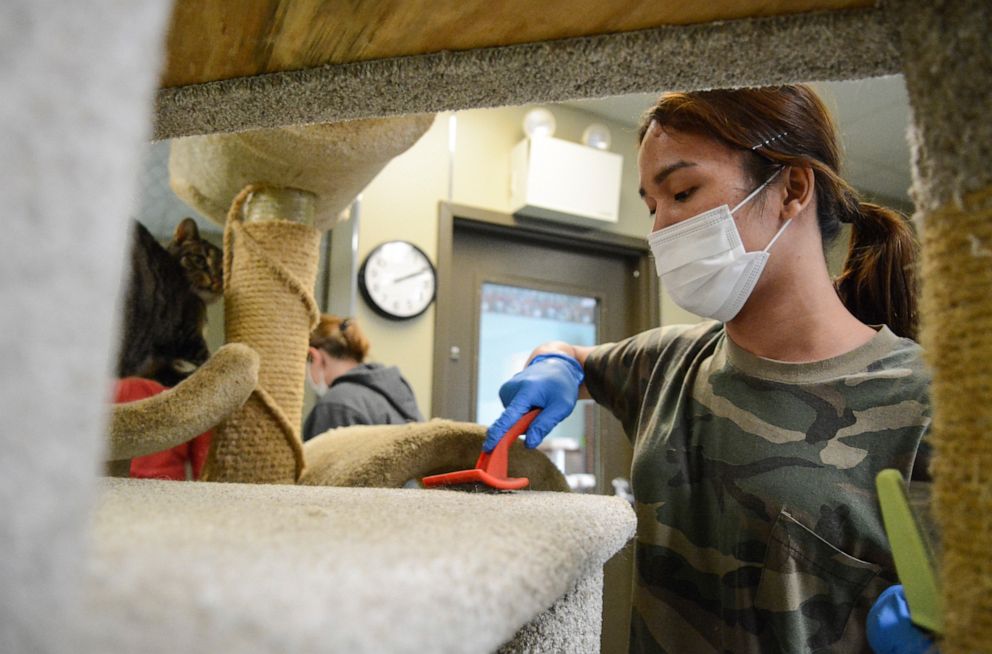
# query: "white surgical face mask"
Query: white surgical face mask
{"points": [[318, 388], [702, 263]]}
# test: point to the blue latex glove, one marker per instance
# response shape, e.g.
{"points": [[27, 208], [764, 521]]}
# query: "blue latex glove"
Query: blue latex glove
{"points": [[890, 630], [550, 383]]}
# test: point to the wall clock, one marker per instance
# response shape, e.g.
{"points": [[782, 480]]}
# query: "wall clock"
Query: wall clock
{"points": [[397, 280]]}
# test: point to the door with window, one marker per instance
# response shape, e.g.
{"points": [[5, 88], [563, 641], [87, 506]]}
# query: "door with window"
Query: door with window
{"points": [[505, 287]]}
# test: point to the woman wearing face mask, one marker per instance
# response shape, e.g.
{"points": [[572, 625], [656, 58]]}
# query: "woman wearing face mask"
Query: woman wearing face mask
{"points": [[349, 391], [757, 433]]}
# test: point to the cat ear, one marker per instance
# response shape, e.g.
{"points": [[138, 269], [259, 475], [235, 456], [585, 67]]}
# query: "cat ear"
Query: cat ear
{"points": [[186, 230]]}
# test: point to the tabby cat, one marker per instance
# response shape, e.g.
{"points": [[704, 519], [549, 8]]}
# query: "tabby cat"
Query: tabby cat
{"points": [[201, 261], [165, 304]]}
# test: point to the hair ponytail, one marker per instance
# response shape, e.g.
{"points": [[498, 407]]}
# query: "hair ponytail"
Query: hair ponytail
{"points": [[878, 284], [340, 338]]}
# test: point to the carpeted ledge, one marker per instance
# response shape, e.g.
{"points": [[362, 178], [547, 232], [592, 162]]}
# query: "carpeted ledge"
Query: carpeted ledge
{"points": [[388, 456], [801, 47], [572, 624], [200, 567], [947, 59]]}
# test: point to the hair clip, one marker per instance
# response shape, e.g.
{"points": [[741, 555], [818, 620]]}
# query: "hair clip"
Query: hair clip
{"points": [[766, 142], [344, 325]]}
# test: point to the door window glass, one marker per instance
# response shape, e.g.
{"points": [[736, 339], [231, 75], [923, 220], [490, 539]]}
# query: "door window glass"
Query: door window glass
{"points": [[513, 321]]}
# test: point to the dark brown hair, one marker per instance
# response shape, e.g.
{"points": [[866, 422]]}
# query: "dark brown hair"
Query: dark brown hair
{"points": [[792, 127], [340, 337]]}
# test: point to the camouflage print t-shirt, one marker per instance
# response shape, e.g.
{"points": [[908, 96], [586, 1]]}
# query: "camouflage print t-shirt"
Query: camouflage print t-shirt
{"points": [[758, 524]]}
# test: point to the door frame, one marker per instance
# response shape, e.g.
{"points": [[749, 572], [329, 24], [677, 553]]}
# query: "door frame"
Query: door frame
{"points": [[541, 232]]}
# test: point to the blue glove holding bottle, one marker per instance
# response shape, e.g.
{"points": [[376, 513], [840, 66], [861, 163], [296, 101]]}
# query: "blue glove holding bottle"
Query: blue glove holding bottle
{"points": [[890, 630], [550, 382]]}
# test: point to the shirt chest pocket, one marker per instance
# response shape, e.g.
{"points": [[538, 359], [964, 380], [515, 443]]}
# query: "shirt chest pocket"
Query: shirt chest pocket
{"points": [[812, 597]]}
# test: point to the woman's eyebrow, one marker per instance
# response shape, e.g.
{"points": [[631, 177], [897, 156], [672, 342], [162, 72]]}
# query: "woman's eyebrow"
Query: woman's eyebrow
{"points": [[662, 174]]}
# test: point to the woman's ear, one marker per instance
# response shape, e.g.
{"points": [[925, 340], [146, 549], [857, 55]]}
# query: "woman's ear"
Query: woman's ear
{"points": [[799, 190], [313, 354]]}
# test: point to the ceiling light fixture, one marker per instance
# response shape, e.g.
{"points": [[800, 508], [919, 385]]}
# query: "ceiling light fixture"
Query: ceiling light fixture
{"points": [[539, 122], [597, 136]]}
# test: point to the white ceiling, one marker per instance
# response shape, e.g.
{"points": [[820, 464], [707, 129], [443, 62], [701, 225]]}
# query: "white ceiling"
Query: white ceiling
{"points": [[872, 116]]}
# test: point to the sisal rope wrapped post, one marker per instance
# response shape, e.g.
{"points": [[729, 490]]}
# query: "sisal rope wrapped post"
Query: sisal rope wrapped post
{"points": [[270, 265], [946, 59], [957, 268]]}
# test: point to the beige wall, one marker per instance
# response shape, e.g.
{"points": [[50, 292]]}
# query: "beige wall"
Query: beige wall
{"points": [[402, 203], [482, 159]]}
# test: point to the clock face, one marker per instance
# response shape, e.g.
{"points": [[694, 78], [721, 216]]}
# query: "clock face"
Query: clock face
{"points": [[398, 280]]}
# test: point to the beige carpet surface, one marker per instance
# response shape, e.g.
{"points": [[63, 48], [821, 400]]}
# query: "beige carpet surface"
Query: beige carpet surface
{"points": [[209, 567], [77, 82], [333, 161], [387, 456], [196, 404]]}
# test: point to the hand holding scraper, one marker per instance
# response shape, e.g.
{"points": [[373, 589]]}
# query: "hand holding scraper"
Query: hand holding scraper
{"points": [[489, 473]]}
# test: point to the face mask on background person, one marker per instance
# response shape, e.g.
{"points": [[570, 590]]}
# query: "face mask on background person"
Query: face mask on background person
{"points": [[318, 388], [702, 263]]}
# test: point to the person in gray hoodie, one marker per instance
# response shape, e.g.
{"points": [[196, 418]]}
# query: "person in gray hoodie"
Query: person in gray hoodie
{"points": [[350, 391]]}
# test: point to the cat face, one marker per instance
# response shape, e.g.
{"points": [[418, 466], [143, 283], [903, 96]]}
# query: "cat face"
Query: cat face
{"points": [[201, 260]]}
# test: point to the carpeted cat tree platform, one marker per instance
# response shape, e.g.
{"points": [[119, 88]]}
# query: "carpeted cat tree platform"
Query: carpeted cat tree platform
{"points": [[207, 567], [94, 565]]}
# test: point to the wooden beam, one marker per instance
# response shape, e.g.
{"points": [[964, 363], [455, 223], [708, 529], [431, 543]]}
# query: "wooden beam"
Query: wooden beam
{"points": [[210, 40]]}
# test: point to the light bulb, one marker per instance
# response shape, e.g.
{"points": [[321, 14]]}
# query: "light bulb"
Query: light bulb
{"points": [[597, 136], [539, 122]]}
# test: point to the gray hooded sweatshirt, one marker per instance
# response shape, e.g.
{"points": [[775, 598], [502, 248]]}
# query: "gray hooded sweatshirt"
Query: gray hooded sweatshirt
{"points": [[368, 394]]}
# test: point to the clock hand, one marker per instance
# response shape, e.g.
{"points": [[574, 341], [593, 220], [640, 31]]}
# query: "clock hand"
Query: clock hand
{"points": [[413, 274]]}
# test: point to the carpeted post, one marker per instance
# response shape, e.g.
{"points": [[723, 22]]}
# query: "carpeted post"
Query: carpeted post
{"points": [[77, 83], [947, 59], [270, 265]]}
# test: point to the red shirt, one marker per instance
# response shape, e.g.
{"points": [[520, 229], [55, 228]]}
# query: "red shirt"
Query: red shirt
{"points": [[171, 463]]}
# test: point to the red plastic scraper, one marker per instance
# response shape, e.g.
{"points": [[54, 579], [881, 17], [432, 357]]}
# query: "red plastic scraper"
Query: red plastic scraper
{"points": [[490, 469]]}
